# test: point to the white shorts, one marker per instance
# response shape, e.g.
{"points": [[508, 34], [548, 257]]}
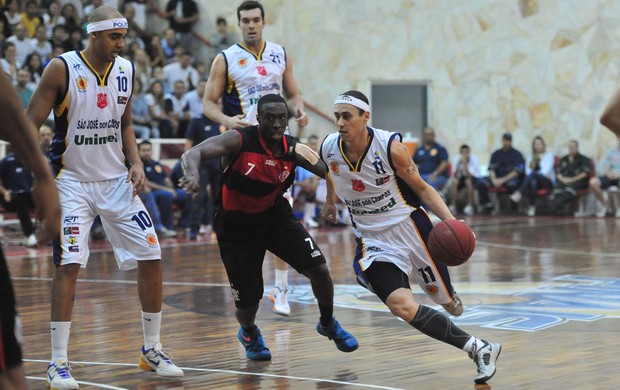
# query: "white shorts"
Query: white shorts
{"points": [[403, 246], [124, 218]]}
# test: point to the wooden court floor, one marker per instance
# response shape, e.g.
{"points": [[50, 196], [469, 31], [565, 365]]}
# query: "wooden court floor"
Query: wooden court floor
{"points": [[547, 289]]}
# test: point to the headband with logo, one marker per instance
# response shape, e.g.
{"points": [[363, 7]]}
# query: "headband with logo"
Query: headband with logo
{"points": [[109, 24], [347, 99]]}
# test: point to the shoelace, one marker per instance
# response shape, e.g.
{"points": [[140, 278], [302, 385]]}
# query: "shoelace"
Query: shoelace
{"points": [[63, 369], [162, 354]]}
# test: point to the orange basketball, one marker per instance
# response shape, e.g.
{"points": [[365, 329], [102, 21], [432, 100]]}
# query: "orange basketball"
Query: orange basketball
{"points": [[451, 242]]}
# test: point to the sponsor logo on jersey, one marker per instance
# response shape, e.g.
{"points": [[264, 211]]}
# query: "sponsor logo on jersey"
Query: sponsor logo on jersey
{"points": [[95, 139], [77, 66], [71, 230], [431, 289], [121, 70], [102, 100], [151, 239], [271, 163], [382, 209], [382, 180], [357, 185], [334, 167], [235, 294], [283, 175], [70, 219], [261, 70], [81, 83], [242, 62], [316, 253], [122, 100], [72, 240], [74, 249]]}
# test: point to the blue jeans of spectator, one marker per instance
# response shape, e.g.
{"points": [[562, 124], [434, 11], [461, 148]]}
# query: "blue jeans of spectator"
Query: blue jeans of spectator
{"points": [[532, 183], [184, 201], [164, 200], [439, 182], [151, 207]]}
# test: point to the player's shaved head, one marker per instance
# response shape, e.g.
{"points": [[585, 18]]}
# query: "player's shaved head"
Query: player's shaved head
{"points": [[104, 12]]}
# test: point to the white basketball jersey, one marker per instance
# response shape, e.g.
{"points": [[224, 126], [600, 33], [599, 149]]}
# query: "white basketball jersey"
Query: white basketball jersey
{"points": [[370, 188], [250, 76], [87, 144]]}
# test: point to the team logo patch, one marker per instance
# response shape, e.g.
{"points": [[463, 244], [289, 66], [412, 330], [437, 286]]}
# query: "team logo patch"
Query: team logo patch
{"points": [[102, 100], [74, 249], [81, 83], [431, 289], [382, 180], [334, 167], [271, 163], [283, 175], [151, 240], [434, 152], [72, 240], [158, 169], [261, 70], [242, 62], [122, 100], [121, 70], [357, 185]]}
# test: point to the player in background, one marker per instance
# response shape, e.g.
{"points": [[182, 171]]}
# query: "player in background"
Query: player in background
{"points": [[252, 217], [372, 172], [239, 76], [22, 135], [90, 93]]}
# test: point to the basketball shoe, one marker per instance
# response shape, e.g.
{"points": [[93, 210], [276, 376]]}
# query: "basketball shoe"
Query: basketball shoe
{"points": [[455, 307], [485, 356], [255, 348], [155, 359], [280, 300], [343, 339], [58, 376]]}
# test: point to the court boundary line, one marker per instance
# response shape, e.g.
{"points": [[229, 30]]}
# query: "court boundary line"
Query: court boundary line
{"points": [[103, 386]]}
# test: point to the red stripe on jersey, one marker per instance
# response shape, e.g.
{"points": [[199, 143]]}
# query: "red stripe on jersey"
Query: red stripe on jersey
{"points": [[263, 168], [235, 201]]}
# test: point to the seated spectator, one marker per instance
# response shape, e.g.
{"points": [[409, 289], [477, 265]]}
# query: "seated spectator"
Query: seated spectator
{"points": [[156, 52], [45, 138], [22, 44], [466, 173], [571, 176], [22, 86], [75, 41], [222, 38], [60, 39], [34, 65], [15, 188], [304, 190], [140, 10], [161, 187], [31, 19], [610, 166], [432, 160], [9, 60], [198, 130], [182, 70], [142, 67], [506, 170], [194, 99], [72, 17], [177, 109], [52, 17], [39, 44], [130, 14], [168, 43], [155, 102], [539, 174], [12, 14], [143, 125]]}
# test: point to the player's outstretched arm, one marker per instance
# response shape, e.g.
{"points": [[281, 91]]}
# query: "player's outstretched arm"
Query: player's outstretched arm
{"points": [[408, 171], [309, 160], [611, 114]]}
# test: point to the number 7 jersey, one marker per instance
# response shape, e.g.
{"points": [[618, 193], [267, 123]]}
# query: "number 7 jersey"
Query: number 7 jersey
{"points": [[87, 144]]}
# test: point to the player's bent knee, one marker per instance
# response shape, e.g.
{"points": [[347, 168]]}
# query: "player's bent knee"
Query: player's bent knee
{"points": [[317, 272]]}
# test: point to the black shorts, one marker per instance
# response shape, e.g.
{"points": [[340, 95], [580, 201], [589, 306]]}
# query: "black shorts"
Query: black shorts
{"points": [[606, 182], [10, 330], [384, 278], [243, 249]]}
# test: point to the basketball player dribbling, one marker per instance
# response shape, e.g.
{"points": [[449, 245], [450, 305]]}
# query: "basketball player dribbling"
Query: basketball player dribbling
{"points": [[90, 93], [372, 172]]}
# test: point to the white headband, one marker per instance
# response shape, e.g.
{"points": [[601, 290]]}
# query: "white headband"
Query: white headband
{"points": [[109, 24], [348, 99]]}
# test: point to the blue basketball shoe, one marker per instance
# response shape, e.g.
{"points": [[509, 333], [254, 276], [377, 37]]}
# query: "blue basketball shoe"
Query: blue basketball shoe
{"points": [[343, 339], [255, 348]]}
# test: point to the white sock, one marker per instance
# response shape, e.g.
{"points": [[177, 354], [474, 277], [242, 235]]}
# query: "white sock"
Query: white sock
{"points": [[309, 210], [469, 345], [60, 331], [281, 277], [151, 326]]}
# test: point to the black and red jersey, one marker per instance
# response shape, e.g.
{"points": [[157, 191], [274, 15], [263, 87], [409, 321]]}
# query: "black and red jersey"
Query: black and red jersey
{"points": [[255, 180]]}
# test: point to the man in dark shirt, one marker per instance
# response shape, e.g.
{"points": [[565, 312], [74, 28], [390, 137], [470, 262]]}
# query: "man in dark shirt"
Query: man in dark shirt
{"points": [[182, 15], [506, 169], [432, 160], [572, 175], [15, 188], [161, 187], [198, 130], [253, 217]]}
